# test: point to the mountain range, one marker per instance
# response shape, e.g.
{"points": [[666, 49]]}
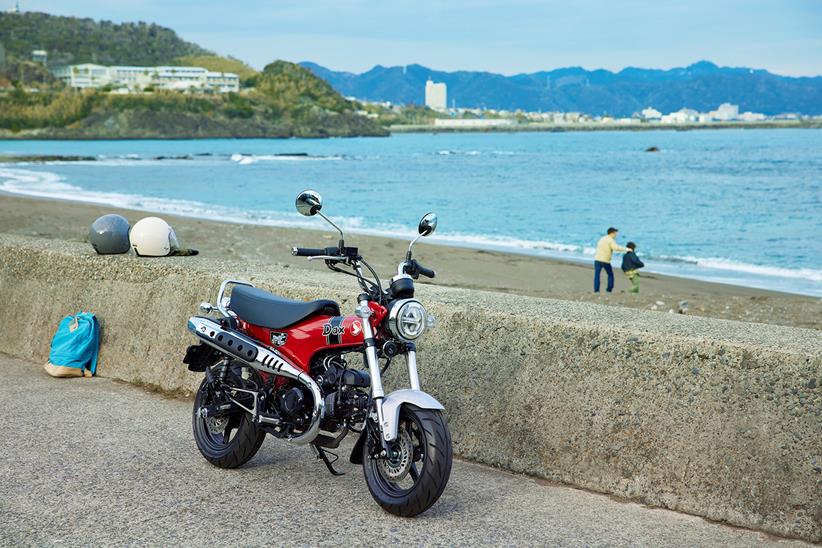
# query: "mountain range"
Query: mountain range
{"points": [[701, 86]]}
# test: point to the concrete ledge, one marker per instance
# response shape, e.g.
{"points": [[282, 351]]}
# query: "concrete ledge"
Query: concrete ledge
{"points": [[716, 418]]}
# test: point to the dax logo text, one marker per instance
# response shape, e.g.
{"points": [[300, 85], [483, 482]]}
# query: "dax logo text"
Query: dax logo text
{"points": [[334, 330]]}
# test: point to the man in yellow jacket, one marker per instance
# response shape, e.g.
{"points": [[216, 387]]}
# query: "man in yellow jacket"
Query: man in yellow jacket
{"points": [[602, 260]]}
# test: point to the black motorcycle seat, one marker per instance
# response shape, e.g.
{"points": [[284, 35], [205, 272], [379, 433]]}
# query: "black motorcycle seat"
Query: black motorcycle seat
{"points": [[259, 307]]}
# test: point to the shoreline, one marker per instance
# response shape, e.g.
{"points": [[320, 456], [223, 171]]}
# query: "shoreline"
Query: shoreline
{"points": [[593, 127], [471, 268], [58, 134]]}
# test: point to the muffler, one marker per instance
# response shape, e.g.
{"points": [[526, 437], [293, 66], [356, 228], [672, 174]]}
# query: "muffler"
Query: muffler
{"points": [[247, 350]]}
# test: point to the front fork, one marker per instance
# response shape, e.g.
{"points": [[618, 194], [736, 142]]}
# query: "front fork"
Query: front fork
{"points": [[377, 392]]}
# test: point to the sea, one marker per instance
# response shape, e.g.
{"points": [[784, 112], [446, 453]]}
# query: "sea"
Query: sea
{"points": [[737, 206]]}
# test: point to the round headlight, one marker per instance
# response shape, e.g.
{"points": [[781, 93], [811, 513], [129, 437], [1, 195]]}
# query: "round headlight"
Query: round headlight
{"points": [[407, 319]]}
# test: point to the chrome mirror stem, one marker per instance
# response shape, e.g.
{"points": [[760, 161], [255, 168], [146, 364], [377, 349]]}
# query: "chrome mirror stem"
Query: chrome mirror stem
{"points": [[329, 221]]}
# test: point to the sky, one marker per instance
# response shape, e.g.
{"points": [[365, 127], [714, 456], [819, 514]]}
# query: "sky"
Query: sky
{"points": [[506, 36]]}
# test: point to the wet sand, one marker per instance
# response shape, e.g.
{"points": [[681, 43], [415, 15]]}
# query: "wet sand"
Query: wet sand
{"points": [[455, 266]]}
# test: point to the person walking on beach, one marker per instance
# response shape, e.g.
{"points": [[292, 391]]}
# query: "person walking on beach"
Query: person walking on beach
{"points": [[631, 265], [602, 260]]}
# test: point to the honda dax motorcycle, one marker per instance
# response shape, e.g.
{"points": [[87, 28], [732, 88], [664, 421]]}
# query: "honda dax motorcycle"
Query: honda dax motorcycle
{"points": [[287, 368]]}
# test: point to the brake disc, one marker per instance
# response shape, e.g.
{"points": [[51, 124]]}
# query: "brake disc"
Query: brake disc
{"points": [[395, 469], [217, 425]]}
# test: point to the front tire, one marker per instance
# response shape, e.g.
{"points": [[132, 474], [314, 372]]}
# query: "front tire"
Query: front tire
{"points": [[407, 488], [228, 441]]}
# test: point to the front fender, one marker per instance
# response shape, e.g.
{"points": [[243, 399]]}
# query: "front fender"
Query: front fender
{"points": [[394, 401]]}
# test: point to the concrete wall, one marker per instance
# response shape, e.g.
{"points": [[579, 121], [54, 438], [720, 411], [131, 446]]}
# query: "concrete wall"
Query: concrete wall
{"points": [[717, 418]]}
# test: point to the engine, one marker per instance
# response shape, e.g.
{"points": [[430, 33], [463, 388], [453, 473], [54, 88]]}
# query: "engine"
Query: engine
{"points": [[345, 391]]}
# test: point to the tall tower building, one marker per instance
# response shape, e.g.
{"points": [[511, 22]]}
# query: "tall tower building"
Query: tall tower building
{"points": [[436, 96]]}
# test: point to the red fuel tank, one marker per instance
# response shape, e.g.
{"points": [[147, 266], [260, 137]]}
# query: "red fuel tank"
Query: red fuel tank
{"points": [[301, 341]]}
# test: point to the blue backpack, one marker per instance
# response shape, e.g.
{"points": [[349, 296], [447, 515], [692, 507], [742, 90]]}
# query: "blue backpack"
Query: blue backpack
{"points": [[74, 347]]}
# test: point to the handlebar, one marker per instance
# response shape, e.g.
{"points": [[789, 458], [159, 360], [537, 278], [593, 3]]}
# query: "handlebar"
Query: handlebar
{"points": [[313, 252]]}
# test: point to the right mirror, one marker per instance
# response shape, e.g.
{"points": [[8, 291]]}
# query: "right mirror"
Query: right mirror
{"points": [[428, 224], [309, 202]]}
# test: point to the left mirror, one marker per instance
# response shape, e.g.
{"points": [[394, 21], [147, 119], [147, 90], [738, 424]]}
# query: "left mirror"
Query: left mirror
{"points": [[309, 202], [428, 224]]}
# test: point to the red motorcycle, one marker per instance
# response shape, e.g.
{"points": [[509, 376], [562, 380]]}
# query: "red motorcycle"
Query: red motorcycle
{"points": [[287, 368]]}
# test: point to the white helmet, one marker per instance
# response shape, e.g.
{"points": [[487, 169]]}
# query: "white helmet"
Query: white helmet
{"points": [[153, 237]]}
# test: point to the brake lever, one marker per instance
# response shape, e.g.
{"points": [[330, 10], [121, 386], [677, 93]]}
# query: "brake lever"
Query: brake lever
{"points": [[327, 258]]}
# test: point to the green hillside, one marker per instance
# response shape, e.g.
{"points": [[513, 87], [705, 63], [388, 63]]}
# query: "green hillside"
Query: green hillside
{"points": [[75, 40], [284, 100], [288, 102]]}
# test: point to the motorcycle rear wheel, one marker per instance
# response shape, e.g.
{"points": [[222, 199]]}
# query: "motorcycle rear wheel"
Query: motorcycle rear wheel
{"points": [[228, 446], [410, 489]]}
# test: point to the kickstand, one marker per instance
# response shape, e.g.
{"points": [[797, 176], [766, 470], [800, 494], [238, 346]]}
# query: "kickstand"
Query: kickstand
{"points": [[322, 454]]}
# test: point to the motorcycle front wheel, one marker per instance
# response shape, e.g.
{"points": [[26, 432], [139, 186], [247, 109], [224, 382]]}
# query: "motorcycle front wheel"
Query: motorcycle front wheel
{"points": [[228, 441], [411, 479]]}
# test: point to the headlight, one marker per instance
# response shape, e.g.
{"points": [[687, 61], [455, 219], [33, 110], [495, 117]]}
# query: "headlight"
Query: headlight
{"points": [[407, 319]]}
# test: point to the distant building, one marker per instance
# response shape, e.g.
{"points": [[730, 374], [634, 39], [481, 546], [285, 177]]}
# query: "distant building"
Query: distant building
{"points": [[473, 122], [725, 112], [752, 116], [40, 56], [650, 114], [133, 78], [86, 75], [682, 116], [436, 96]]}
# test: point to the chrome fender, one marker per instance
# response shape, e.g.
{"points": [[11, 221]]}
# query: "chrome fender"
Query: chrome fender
{"points": [[394, 401]]}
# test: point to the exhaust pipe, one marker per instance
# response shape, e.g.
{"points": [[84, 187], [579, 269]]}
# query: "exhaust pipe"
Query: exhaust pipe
{"points": [[264, 359]]}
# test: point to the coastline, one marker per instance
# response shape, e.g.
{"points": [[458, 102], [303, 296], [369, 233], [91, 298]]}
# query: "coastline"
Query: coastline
{"points": [[486, 270], [74, 134], [559, 128]]}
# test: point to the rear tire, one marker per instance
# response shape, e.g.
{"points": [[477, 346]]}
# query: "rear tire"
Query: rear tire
{"points": [[416, 491], [228, 447]]}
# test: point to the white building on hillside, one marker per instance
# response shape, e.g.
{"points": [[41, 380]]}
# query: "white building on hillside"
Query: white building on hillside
{"points": [[436, 96], [40, 56], [86, 75], [139, 78]]}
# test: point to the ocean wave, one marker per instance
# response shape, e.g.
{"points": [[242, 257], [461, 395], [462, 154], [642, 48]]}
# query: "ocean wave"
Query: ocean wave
{"points": [[245, 159], [730, 265], [504, 242], [448, 152], [43, 184]]}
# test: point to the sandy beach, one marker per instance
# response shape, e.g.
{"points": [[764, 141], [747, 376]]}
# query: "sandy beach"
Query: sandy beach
{"points": [[462, 267]]}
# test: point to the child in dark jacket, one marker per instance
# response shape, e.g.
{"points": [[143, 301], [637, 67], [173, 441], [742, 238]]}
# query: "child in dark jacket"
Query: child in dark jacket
{"points": [[631, 265]]}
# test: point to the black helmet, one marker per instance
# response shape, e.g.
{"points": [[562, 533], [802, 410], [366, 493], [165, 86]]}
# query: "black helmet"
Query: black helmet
{"points": [[109, 235]]}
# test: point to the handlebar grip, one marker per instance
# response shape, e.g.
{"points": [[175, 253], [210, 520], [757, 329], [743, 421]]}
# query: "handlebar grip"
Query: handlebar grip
{"points": [[427, 272], [306, 251], [414, 268]]}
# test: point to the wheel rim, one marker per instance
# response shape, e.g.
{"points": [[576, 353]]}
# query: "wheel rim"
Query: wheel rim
{"points": [[216, 433], [393, 477]]}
